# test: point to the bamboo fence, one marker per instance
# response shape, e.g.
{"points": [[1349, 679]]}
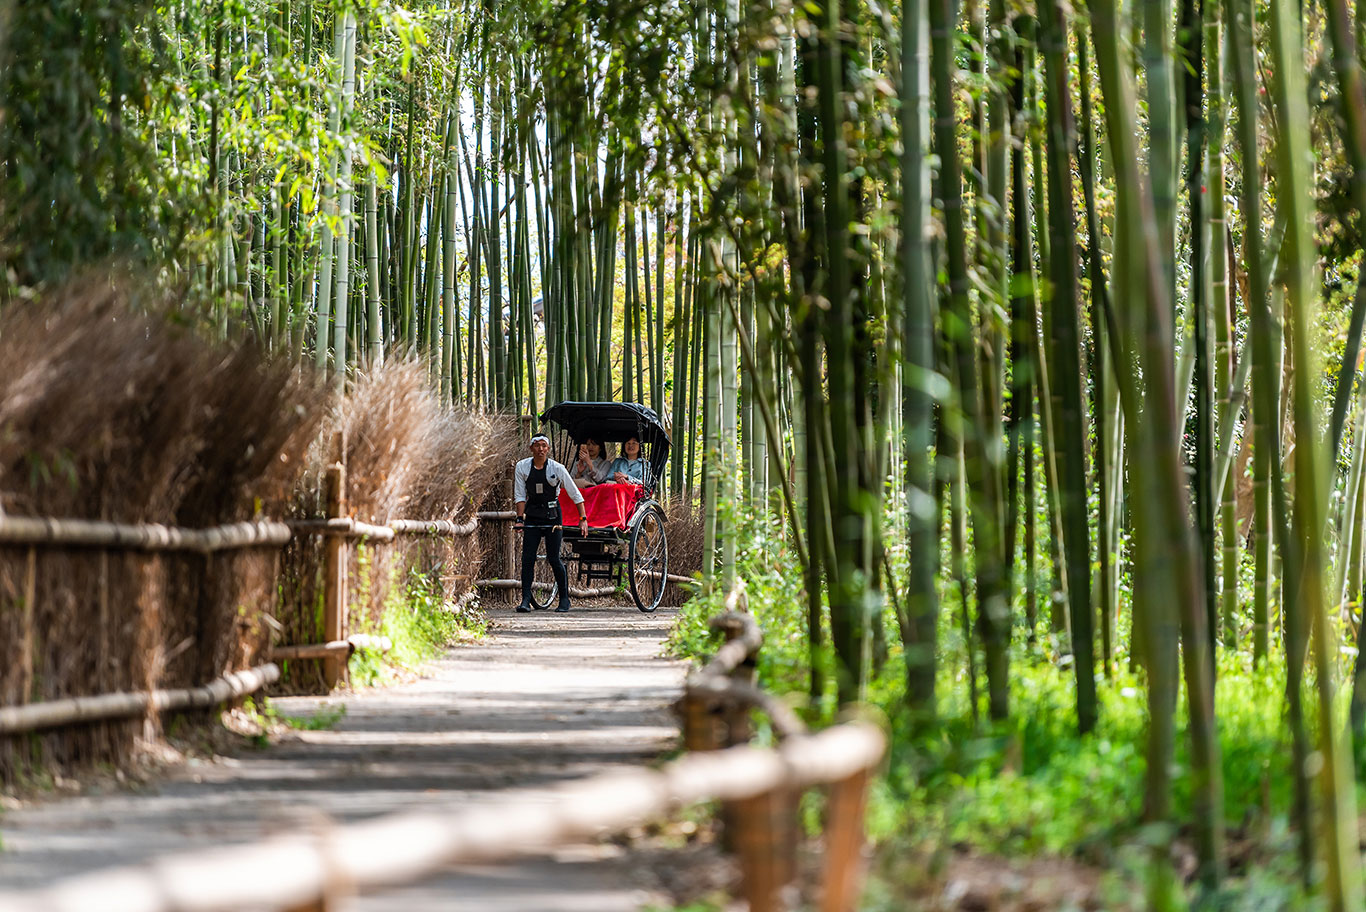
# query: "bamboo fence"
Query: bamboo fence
{"points": [[336, 527]]}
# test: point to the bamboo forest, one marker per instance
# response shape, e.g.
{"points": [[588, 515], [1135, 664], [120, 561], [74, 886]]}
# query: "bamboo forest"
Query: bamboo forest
{"points": [[1011, 355]]}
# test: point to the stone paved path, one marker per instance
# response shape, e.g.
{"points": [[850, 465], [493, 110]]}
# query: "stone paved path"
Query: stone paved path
{"points": [[545, 698]]}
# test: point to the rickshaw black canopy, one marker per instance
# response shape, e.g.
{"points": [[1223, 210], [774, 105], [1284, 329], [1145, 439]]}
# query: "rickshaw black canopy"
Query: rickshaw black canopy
{"points": [[614, 422]]}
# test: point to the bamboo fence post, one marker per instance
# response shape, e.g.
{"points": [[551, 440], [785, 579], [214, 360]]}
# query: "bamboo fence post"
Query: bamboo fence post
{"points": [[763, 833], [700, 731], [321, 904], [334, 574], [102, 622], [844, 843], [510, 531], [30, 600], [736, 713], [337, 885], [760, 830]]}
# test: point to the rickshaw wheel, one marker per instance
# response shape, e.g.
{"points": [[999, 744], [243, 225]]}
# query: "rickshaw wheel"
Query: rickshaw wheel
{"points": [[648, 559]]}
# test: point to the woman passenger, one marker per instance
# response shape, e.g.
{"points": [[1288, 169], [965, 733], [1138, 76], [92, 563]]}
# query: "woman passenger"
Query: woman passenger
{"points": [[591, 466], [629, 467]]}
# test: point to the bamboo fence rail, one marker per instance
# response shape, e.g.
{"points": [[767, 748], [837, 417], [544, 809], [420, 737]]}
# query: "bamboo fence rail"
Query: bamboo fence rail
{"points": [[434, 527], [54, 713], [333, 648], [574, 591], [344, 527], [91, 533]]}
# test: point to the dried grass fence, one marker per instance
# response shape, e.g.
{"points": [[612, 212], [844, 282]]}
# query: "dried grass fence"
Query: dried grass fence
{"points": [[759, 788], [110, 414], [166, 450]]}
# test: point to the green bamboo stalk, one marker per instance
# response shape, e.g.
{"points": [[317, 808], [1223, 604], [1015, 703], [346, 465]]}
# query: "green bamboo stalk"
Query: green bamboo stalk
{"points": [[696, 308], [630, 307], [408, 252], [1100, 362], [498, 366], [1266, 369], [711, 416], [1162, 133], [1295, 198], [1162, 533], [648, 315], [550, 300], [1066, 352], [1191, 54], [450, 301], [1023, 307], [1221, 305], [1347, 64], [993, 617], [657, 391], [1349, 517], [327, 243], [682, 342], [340, 324]]}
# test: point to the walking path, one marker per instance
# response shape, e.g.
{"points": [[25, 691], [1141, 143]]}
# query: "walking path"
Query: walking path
{"points": [[547, 697]]}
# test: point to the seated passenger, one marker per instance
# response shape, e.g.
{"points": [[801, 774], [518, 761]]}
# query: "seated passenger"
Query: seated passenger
{"points": [[628, 468], [590, 468]]}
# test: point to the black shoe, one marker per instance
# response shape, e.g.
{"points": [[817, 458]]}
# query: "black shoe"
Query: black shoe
{"points": [[524, 608], [563, 606]]}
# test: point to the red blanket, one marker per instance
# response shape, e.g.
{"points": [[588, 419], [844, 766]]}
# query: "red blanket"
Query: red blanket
{"points": [[607, 505]]}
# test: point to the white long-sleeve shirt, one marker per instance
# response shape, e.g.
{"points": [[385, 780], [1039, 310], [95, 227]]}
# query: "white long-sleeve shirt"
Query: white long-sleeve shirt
{"points": [[555, 474]]}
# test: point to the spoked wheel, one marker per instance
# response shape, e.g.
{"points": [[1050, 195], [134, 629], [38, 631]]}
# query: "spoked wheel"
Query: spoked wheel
{"points": [[648, 561], [545, 592]]}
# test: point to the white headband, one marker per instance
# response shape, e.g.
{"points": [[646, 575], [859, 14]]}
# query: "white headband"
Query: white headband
{"points": [[539, 437]]}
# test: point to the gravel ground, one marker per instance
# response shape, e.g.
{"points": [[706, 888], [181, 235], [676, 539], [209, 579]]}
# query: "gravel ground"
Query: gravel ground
{"points": [[545, 698]]}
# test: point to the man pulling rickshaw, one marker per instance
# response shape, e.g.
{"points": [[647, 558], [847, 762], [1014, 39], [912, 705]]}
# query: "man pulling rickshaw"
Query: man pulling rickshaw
{"points": [[536, 486]]}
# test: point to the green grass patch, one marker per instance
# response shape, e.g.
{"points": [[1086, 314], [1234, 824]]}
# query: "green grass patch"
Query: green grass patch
{"points": [[265, 714], [421, 623]]}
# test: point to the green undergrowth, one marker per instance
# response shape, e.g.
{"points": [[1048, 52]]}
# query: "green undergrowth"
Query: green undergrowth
{"points": [[1030, 788], [267, 716], [419, 621]]}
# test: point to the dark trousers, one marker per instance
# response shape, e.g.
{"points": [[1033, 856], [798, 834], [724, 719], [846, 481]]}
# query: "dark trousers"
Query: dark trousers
{"points": [[531, 542]]}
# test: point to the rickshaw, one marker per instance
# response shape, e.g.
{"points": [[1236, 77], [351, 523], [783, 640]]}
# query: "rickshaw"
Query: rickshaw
{"points": [[626, 542]]}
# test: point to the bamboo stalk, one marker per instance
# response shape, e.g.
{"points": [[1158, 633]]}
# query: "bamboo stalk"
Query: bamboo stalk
{"points": [[1071, 430], [342, 273], [1295, 198]]}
